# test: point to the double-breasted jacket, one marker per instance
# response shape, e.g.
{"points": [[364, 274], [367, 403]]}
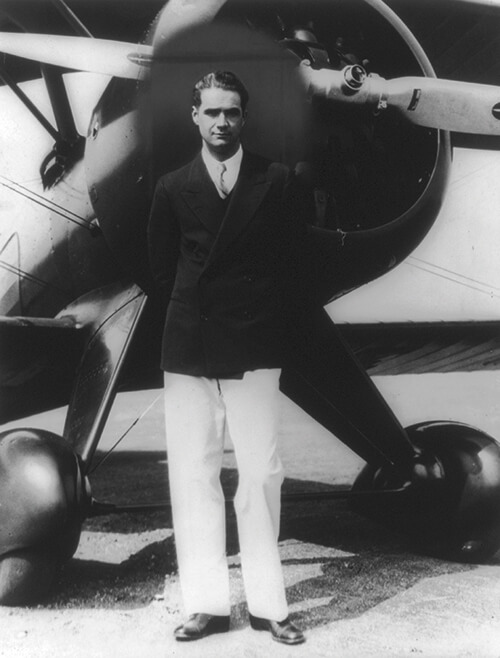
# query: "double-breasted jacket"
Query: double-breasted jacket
{"points": [[229, 270]]}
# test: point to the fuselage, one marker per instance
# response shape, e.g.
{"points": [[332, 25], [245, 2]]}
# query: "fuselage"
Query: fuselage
{"points": [[50, 250]]}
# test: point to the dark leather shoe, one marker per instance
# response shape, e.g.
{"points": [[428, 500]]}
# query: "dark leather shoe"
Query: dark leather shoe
{"points": [[200, 625], [281, 631]]}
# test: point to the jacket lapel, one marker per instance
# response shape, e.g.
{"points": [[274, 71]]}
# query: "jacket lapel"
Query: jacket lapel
{"points": [[247, 195], [200, 195]]}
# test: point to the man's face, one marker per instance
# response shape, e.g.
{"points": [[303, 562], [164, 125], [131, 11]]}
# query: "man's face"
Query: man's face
{"points": [[220, 120]]}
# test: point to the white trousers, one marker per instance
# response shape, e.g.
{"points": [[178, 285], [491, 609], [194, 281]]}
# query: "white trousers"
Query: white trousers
{"points": [[198, 411]]}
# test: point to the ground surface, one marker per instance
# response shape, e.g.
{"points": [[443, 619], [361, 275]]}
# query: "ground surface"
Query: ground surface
{"points": [[357, 589]]}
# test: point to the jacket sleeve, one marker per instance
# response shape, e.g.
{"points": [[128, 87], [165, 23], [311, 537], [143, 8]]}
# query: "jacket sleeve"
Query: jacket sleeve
{"points": [[163, 244]]}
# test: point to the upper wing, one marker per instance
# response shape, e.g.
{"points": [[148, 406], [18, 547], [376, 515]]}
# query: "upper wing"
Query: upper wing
{"points": [[425, 347]]}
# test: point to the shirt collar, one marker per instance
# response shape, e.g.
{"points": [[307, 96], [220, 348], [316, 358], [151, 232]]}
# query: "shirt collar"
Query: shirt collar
{"points": [[232, 164]]}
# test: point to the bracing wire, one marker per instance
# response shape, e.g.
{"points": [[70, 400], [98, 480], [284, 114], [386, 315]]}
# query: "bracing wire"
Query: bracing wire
{"points": [[45, 203], [454, 277], [457, 274], [124, 434], [39, 196], [29, 277]]}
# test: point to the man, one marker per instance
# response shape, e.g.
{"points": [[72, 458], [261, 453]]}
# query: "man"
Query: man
{"points": [[224, 237]]}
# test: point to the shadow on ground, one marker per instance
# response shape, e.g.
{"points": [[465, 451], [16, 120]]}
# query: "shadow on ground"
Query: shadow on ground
{"points": [[368, 563]]}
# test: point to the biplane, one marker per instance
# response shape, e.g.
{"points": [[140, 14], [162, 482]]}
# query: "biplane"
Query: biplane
{"points": [[94, 108]]}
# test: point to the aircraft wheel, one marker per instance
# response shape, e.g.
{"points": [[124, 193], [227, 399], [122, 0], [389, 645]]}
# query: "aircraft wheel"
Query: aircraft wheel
{"points": [[26, 576], [451, 501], [43, 501]]}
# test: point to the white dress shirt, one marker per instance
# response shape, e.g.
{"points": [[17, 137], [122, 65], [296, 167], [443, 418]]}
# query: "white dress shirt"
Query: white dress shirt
{"points": [[231, 173]]}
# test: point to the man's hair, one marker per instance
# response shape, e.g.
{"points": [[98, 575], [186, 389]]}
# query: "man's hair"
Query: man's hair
{"points": [[222, 80]]}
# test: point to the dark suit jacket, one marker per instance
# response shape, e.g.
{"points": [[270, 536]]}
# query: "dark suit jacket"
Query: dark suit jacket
{"points": [[228, 271]]}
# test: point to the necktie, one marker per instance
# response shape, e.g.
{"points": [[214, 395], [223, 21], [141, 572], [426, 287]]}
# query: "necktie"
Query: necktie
{"points": [[223, 189]]}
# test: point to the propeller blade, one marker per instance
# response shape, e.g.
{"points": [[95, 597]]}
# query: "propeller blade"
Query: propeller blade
{"points": [[456, 106], [179, 15], [114, 58], [445, 104]]}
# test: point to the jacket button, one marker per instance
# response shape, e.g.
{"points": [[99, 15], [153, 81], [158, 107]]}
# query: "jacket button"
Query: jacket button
{"points": [[203, 317], [248, 278], [247, 315]]}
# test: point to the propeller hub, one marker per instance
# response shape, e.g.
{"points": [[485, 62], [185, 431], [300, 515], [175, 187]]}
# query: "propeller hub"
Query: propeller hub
{"points": [[354, 77]]}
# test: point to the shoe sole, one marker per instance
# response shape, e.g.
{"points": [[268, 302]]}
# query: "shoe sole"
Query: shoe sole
{"points": [[289, 642], [191, 638], [278, 639]]}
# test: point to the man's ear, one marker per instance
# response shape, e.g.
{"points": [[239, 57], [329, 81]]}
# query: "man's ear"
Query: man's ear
{"points": [[194, 114]]}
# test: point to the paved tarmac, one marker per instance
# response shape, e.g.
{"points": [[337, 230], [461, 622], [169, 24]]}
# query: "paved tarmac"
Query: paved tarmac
{"points": [[357, 589]]}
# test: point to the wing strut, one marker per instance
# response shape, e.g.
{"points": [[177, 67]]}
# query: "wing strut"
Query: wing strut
{"points": [[71, 18], [325, 379], [28, 103], [111, 315], [60, 104], [69, 146]]}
